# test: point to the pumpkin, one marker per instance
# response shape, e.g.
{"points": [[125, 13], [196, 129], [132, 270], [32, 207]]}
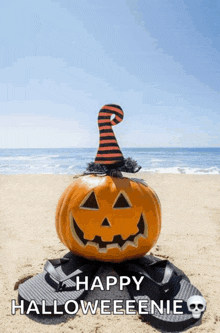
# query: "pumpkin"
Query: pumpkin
{"points": [[108, 218]]}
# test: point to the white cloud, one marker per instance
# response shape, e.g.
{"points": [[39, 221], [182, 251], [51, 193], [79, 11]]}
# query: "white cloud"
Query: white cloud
{"points": [[27, 129]]}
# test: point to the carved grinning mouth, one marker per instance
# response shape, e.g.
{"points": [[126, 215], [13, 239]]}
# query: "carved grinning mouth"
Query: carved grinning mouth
{"points": [[117, 241]]}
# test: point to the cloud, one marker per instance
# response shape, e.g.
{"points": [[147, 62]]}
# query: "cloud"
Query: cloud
{"points": [[27, 129]]}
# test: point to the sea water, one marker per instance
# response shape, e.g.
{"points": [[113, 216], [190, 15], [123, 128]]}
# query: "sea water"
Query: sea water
{"points": [[74, 160]]}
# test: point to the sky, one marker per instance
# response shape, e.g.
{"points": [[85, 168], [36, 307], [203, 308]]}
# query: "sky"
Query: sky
{"points": [[62, 60]]}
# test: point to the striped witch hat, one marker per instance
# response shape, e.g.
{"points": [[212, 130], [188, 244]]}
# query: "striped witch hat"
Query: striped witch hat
{"points": [[109, 158], [109, 152]]}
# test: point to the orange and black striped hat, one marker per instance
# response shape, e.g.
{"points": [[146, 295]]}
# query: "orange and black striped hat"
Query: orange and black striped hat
{"points": [[109, 152], [109, 157]]}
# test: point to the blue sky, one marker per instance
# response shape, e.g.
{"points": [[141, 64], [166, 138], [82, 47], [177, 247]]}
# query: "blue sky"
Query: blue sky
{"points": [[61, 61]]}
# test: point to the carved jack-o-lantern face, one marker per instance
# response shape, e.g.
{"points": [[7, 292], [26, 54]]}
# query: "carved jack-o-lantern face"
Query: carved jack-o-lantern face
{"points": [[109, 219]]}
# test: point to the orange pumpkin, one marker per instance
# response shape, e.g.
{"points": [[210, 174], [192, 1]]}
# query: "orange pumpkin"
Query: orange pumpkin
{"points": [[107, 218]]}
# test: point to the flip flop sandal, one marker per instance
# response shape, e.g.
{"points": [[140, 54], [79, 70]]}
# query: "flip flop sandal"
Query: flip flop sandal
{"points": [[162, 282], [57, 283]]}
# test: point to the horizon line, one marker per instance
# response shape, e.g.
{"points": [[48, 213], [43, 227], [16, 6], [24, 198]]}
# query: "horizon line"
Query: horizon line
{"points": [[159, 147]]}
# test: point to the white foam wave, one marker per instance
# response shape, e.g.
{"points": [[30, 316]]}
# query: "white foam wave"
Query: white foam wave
{"points": [[27, 158], [156, 160], [185, 170]]}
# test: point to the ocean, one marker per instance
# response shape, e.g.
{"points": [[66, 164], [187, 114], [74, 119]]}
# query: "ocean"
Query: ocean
{"points": [[69, 161]]}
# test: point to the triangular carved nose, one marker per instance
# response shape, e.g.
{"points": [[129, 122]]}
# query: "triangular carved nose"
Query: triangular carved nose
{"points": [[105, 223]]}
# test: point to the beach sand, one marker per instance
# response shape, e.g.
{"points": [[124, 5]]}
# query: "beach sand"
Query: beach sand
{"points": [[190, 238]]}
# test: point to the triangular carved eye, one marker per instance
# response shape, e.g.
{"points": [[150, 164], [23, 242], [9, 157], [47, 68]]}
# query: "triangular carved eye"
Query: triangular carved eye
{"points": [[90, 202], [121, 202]]}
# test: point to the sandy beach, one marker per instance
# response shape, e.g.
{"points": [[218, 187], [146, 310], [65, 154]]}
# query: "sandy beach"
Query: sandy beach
{"points": [[190, 238]]}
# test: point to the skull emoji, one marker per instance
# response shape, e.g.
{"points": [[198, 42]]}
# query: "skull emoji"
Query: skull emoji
{"points": [[196, 304]]}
